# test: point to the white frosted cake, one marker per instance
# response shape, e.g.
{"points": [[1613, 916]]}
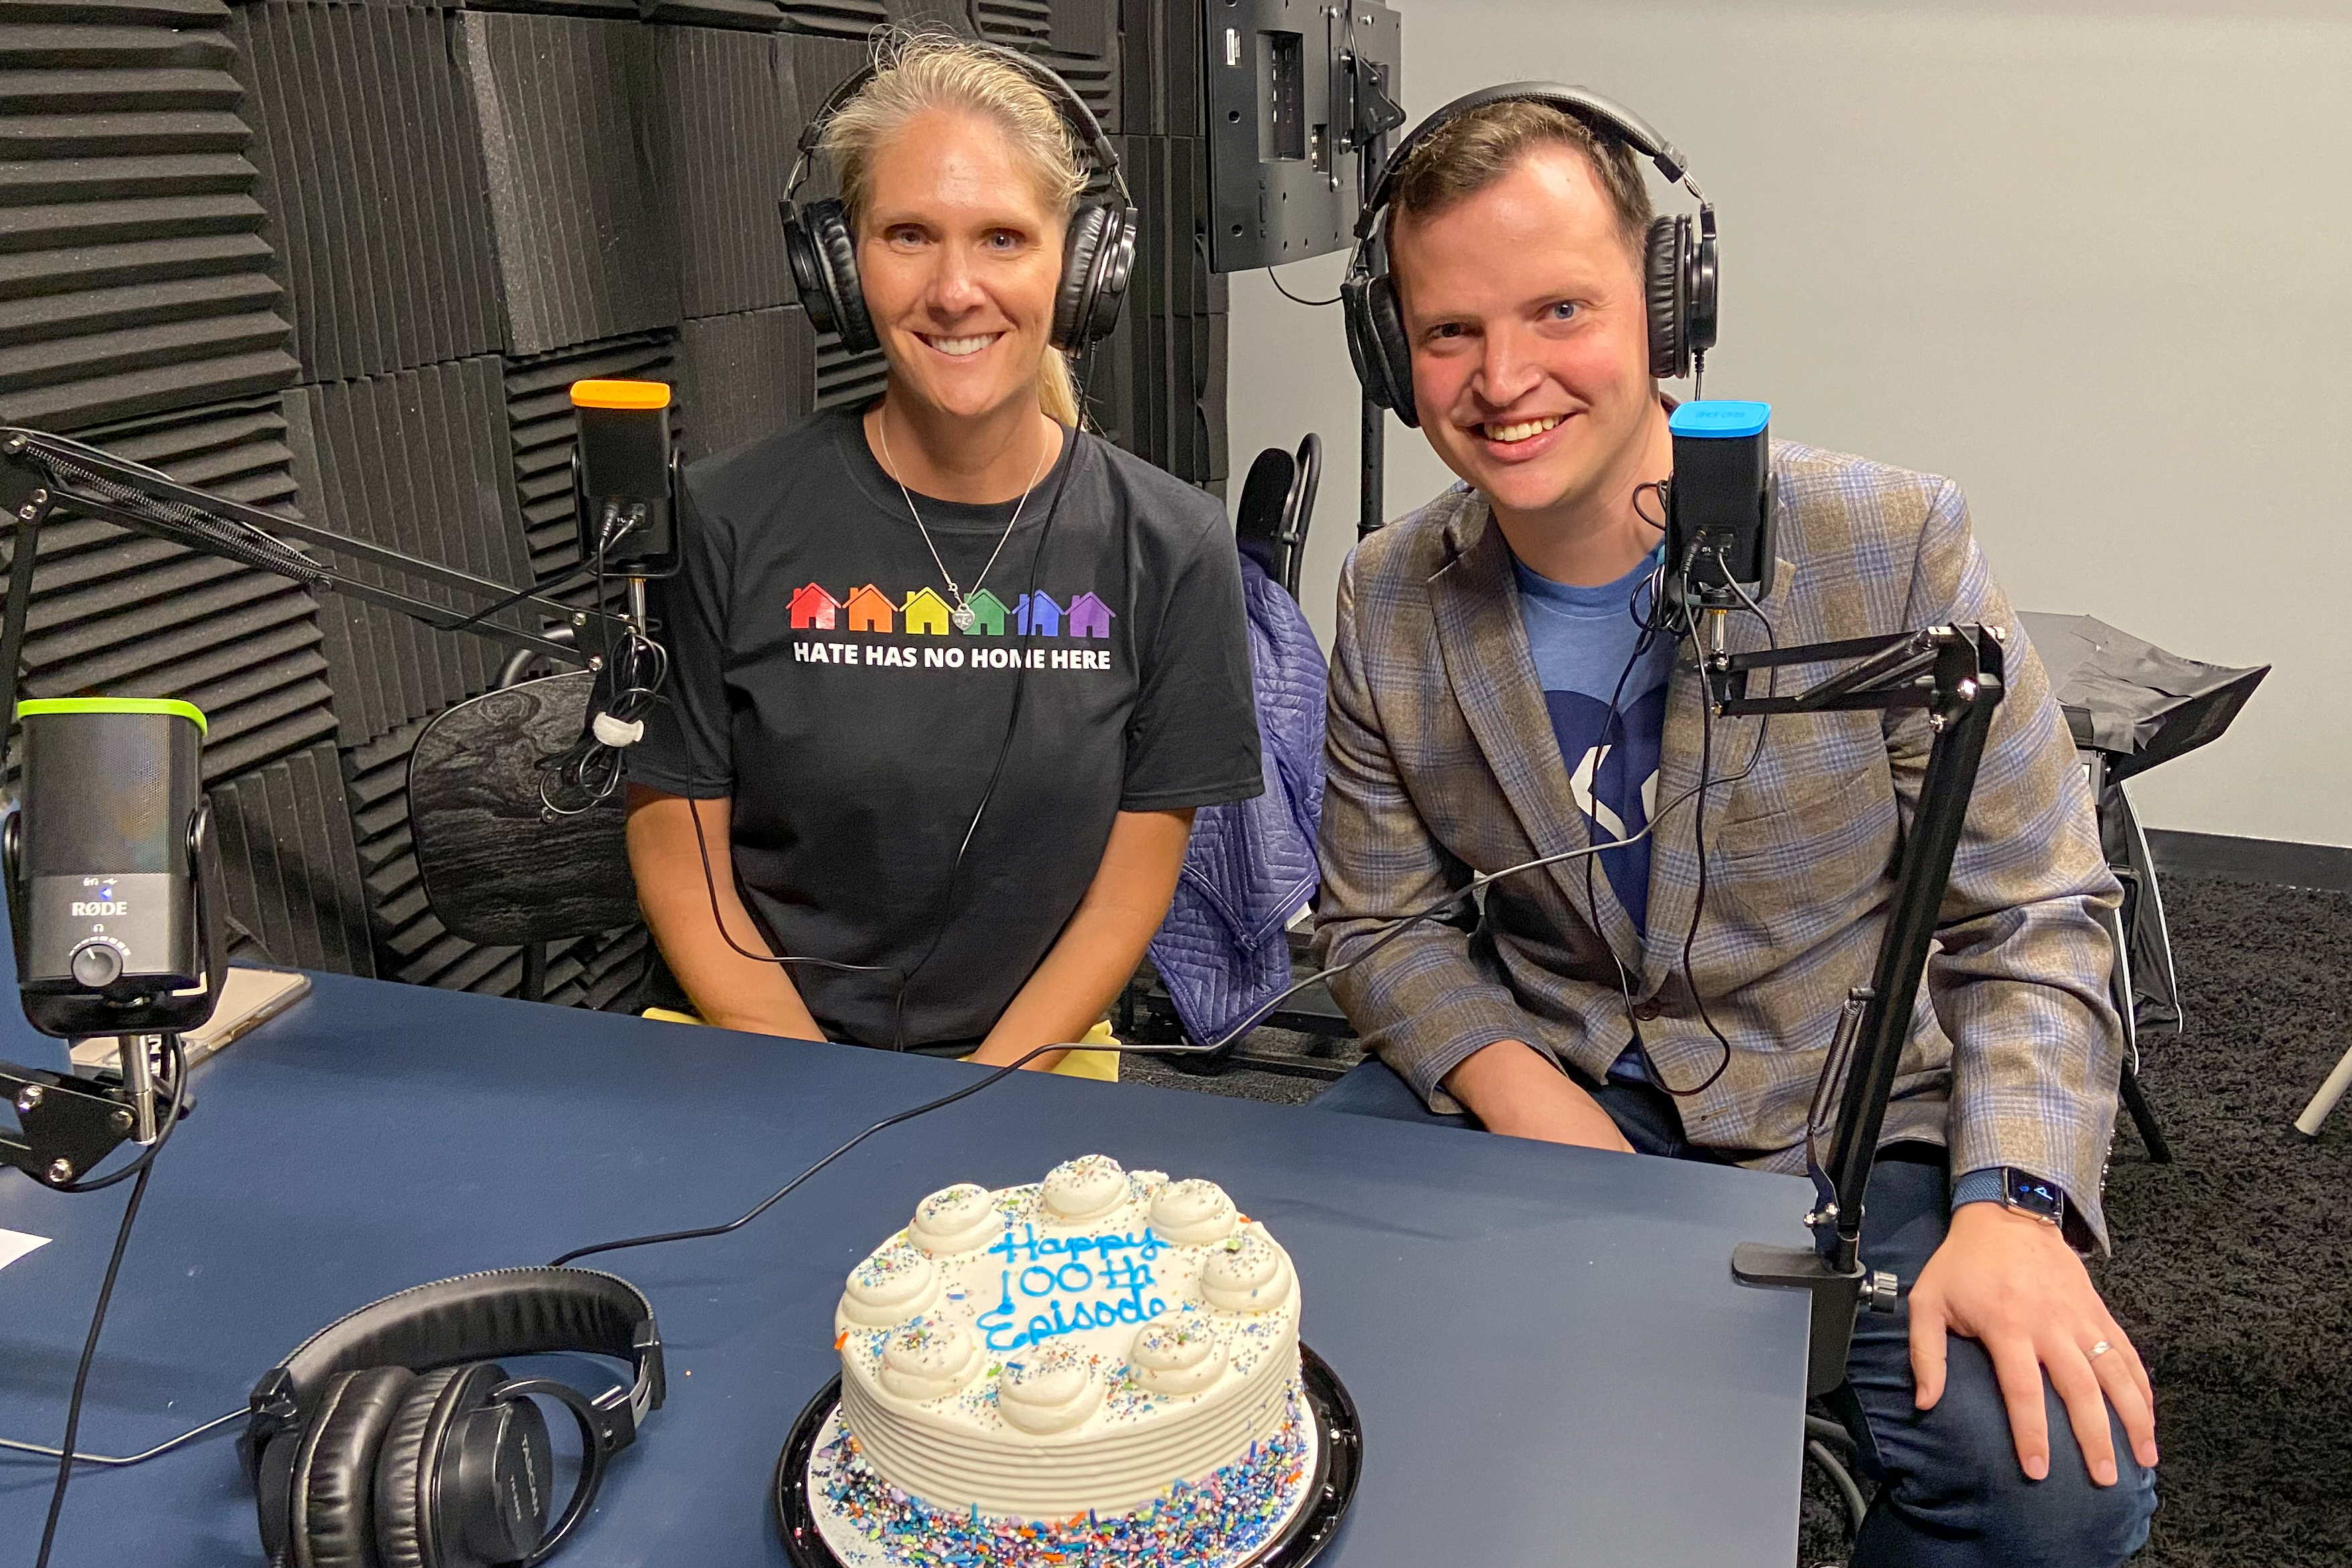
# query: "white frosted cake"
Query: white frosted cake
{"points": [[1100, 1369]]}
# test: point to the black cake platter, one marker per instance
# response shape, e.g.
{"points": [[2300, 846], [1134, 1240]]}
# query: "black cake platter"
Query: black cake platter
{"points": [[1339, 1462]]}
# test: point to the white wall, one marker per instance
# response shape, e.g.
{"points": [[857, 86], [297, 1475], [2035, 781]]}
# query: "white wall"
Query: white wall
{"points": [[2093, 260]]}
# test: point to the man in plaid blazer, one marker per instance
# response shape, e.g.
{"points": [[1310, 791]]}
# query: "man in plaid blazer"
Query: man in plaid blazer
{"points": [[1621, 1009]]}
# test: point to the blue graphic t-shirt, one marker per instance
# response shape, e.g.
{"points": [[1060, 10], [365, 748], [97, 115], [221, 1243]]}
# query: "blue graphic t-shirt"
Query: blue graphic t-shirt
{"points": [[1585, 641]]}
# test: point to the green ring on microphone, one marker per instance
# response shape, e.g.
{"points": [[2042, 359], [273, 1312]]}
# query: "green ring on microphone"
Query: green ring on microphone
{"points": [[33, 708]]}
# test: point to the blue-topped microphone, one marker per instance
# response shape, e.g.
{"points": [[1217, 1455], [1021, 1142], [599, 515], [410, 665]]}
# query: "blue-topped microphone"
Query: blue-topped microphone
{"points": [[1719, 505]]}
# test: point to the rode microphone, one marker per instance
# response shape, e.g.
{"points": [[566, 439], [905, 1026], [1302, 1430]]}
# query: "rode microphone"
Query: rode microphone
{"points": [[623, 476], [103, 857], [1719, 527]]}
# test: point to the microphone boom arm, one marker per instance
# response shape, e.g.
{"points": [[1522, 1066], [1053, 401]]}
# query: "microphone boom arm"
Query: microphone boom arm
{"points": [[1955, 673], [40, 473]]}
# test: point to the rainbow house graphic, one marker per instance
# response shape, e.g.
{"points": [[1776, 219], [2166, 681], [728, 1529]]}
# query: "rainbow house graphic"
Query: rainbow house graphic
{"points": [[870, 609], [814, 609], [987, 614], [1036, 614], [927, 613], [1089, 616]]}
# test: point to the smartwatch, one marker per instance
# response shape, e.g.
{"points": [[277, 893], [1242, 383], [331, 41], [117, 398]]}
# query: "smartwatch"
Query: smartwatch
{"points": [[2016, 1189], [2028, 1194]]}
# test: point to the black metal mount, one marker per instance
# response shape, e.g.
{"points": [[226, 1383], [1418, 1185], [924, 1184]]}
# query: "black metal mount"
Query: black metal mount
{"points": [[1955, 673], [69, 1122]]}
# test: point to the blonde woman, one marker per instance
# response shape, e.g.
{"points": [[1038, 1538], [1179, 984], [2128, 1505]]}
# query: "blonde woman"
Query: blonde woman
{"points": [[950, 674]]}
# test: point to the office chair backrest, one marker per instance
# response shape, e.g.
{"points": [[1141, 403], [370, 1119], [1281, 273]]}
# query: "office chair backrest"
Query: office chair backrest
{"points": [[1277, 504], [497, 868]]}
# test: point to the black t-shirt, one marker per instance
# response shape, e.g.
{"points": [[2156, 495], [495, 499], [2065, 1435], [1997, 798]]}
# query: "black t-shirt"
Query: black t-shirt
{"points": [[817, 677]]}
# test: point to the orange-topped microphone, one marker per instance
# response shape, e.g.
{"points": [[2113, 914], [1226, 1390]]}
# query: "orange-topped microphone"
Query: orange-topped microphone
{"points": [[622, 476]]}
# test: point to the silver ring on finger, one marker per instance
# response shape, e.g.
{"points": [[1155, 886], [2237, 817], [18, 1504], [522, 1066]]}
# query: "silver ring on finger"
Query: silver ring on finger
{"points": [[2099, 1349]]}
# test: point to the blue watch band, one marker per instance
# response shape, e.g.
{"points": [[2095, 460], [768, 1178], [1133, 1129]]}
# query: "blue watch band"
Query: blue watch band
{"points": [[1978, 1187]]}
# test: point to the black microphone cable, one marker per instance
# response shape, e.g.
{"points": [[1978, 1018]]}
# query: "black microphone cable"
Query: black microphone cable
{"points": [[89, 1354], [586, 774], [116, 1462], [137, 1172], [1397, 927], [1276, 278], [1699, 823]]}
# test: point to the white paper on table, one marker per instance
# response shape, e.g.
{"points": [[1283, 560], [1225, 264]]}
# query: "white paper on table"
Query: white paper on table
{"points": [[14, 1244]]}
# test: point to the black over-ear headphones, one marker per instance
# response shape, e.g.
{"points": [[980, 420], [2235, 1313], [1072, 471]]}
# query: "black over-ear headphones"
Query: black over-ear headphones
{"points": [[1097, 255], [391, 1439], [1677, 269]]}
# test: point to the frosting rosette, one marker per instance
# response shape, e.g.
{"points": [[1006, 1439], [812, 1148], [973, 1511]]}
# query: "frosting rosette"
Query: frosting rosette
{"points": [[929, 1358], [1248, 1274], [959, 1218], [889, 1287], [1192, 1213], [1178, 1354], [1049, 1390], [1085, 1189]]}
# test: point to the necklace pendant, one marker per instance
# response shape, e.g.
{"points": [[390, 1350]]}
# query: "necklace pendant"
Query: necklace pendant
{"points": [[962, 617]]}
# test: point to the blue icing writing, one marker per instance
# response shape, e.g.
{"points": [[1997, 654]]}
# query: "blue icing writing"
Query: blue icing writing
{"points": [[1031, 1248], [998, 1324]]}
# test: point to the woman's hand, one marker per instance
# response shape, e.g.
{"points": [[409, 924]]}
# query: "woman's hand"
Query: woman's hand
{"points": [[679, 881], [1092, 960]]}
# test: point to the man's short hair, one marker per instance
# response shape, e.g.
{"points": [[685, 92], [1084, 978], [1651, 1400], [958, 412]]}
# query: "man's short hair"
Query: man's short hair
{"points": [[1473, 150]]}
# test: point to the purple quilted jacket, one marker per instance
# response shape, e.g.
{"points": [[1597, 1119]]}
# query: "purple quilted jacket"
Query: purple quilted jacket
{"points": [[1250, 865]]}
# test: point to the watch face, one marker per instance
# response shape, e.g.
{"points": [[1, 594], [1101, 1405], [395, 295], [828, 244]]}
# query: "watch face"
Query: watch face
{"points": [[2035, 1196]]}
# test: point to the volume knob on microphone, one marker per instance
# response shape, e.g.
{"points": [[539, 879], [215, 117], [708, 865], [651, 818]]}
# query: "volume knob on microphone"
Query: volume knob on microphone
{"points": [[96, 964]]}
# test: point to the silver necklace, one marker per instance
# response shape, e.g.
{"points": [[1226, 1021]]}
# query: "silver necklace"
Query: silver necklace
{"points": [[962, 616]]}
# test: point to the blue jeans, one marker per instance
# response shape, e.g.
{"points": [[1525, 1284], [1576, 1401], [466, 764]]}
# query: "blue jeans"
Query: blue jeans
{"points": [[1951, 1494]]}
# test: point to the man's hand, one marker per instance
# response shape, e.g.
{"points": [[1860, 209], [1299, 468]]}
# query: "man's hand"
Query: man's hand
{"points": [[1516, 1089], [2010, 1282]]}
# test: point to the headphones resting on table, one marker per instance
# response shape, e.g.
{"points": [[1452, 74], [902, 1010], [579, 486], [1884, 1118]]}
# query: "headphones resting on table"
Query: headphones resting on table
{"points": [[1097, 253], [1678, 271], [391, 1439]]}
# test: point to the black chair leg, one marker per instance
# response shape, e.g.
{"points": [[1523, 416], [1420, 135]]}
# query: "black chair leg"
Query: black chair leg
{"points": [[534, 971], [2143, 1115]]}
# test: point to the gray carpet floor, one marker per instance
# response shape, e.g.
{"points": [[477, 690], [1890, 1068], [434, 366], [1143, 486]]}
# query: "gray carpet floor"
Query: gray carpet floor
{"points": [[2232, 1266]]}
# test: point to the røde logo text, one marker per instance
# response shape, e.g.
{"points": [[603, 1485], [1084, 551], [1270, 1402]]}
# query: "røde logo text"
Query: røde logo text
{"points": [[102, 906]]}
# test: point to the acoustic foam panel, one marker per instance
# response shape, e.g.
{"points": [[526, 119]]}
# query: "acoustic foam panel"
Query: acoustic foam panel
{"points": [[618, 10], [844, 378], [290, 865], [600, 972], [372, 173], [582, 254], [418, 462], [1162, 53], [133, 273], [761, 15], [541, 431], [119, 613], [816, 66], [724, 116], [835, 18], [1080, 39], [746, 376]]}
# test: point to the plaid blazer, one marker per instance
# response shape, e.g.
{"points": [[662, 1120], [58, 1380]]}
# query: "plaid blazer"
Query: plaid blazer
{"points": [[1443, 762]]}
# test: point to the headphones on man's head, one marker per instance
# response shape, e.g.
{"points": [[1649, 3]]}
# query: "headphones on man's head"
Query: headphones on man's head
{"points": [[1678, 261], [391, 1439], [1097, 255]]}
